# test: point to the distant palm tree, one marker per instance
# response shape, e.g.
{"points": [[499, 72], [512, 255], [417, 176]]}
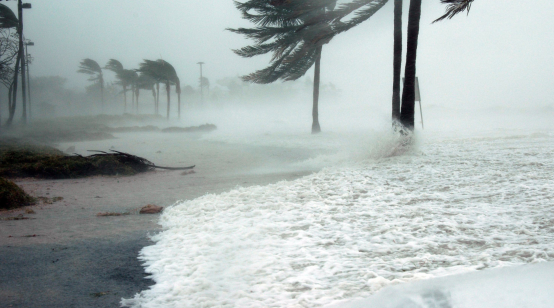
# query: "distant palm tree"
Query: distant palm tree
{"points": [[91, 67], [163, 72], [122, 75], [8, 20]]}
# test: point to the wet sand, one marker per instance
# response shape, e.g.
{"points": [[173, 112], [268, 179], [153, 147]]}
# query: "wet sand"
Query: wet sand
{"points": [[65, 256]]}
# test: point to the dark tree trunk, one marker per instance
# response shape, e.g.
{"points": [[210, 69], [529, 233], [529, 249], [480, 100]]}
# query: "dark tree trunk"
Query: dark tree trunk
{"points": [[157, 98], [155, 103], [397, 62], [137, 95], [125, 98], [168, 88], [179, 104], [102, 90], [315, 112], [408, 96]]}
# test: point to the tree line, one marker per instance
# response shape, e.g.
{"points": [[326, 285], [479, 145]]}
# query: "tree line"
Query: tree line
{"points": [[149, 76], [294, 32]]}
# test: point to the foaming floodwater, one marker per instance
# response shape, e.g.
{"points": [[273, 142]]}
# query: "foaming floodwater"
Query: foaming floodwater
{"points": [[447, 206]]}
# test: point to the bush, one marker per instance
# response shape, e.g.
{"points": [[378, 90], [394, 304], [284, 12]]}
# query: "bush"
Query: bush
{"points": [[12, 196]]}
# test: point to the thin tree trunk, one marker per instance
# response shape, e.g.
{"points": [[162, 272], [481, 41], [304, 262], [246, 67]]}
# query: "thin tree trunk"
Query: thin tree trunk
{"points": [[397, 62], [157, 98], [125, 98], [138, 93], [168, 88], [315, 112], [102, 90], [154, 95], [408, 96], [132, 99]]}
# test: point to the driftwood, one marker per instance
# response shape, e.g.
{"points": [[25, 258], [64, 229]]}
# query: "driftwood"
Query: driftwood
{"points": [[134, 160]]}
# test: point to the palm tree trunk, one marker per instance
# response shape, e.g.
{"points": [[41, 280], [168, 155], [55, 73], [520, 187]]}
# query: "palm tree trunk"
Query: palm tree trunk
{"points": [[133, 99], [138, 93], [168, 88], [102, 91], [397, 62], [22, 57], [125, 98], [408, 96], [157, 98], [155, 103], [315, 112]]}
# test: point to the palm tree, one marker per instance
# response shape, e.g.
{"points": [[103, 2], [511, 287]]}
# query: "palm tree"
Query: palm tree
{"points": [[299, 30], [91, 67], [122, 75], [162, 72]]}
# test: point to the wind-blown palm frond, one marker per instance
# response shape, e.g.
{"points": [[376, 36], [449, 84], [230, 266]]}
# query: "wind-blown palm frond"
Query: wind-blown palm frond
{"points": [[114, 66], [90, 67], [455, 7], [7, 18]]}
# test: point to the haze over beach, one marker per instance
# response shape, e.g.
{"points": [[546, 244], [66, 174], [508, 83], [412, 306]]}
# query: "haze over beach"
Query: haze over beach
{"points": [[298, 193]]}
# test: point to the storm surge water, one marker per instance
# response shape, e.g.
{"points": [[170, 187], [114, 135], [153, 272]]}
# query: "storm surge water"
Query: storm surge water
{"points": [[450, 205]]}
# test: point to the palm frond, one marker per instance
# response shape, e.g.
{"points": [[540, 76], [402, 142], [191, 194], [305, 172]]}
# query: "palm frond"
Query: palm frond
{"points": [[90, 67], [114, 66], [454, 8]]}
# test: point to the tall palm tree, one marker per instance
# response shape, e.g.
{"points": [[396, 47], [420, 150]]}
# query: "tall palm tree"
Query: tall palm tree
{"points": [[298, 29], [163, 72], [91, 67], [122, 77]]}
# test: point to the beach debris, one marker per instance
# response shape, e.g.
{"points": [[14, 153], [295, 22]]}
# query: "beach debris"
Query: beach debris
{"points": [[47, 200], [71, 149], [188, 172], [99, 294], [151, 209], [12, 196], [133, 160], [109, 214], [18, 217], [30, 211]]}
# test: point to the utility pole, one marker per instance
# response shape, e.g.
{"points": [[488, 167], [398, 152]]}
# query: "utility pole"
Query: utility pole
{"points": [[20, 7], [201, 83], [29, 59]]}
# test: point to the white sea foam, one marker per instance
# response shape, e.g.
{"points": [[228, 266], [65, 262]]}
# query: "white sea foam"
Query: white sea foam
{"points": [[451, 206]]}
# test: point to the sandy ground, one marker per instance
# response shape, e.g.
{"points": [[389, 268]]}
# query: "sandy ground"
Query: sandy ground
{"points": [[65, 256]]}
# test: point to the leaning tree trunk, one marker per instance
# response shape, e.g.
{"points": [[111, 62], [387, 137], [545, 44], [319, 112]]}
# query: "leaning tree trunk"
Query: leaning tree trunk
{"points": [[168, 88], [178, 90], [408, 96], [397, 62], [315, 112]]}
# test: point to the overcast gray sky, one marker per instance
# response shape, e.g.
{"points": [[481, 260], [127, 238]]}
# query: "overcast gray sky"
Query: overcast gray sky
{"points": [[502, 53]]}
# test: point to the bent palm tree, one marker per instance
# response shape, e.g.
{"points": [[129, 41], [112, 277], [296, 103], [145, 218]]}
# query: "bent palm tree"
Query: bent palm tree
{"points": [[144, 82], [91, 67], [122, 75], [162, 71], [8, 20]]}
